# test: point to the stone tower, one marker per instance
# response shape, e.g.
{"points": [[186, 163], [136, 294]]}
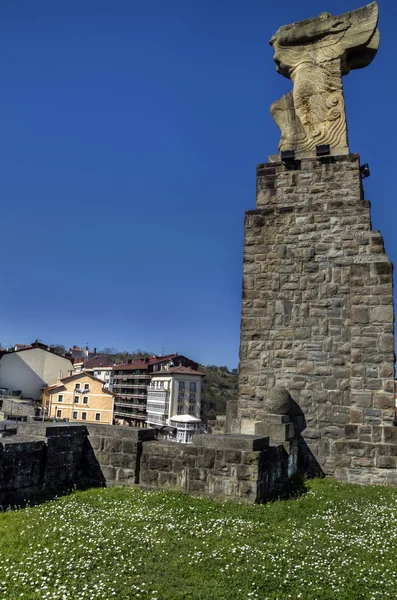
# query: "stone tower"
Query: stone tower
{"points": [[317, 314]]}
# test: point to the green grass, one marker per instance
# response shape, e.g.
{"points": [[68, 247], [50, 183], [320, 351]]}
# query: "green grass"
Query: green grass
{"points": [[336, 541]]}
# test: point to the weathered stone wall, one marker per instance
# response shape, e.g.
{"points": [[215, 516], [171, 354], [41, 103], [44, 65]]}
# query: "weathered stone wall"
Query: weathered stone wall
{"points": [[317, 315], [50, 459], [112, 453], [239, 467], [21, 475], [40, 459], [367, 455]]}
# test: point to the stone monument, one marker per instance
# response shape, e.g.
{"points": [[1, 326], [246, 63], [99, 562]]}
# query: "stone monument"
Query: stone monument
{"points": [[315, 54], [317, 310]]}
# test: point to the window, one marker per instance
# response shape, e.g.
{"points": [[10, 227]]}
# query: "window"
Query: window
{"points": [[193, 386], [76, 386], [180, 409], [60, 398], [85, 399], [97, 416], [84, 416], [59, 414], [181, 391], [87, 387], [192, 409], [76, 399], [75, 414]]}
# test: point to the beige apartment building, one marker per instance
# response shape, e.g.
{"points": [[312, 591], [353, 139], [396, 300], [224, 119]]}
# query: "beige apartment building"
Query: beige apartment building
{"points": [[31, 368], [80, 398]]}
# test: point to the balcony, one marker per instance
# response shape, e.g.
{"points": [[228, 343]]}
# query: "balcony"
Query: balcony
{"points": [[161, 413], [131, 375], [130, 405], [129, 395], [156, 419], [121, 413], [129, 385], [156, 394], [131, 410]]}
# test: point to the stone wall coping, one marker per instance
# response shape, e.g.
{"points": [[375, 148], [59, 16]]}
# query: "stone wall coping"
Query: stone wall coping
{"points": [[39, 429], [232, 441], [50, 429], [20, 439], [274, 160], [120, 431]]}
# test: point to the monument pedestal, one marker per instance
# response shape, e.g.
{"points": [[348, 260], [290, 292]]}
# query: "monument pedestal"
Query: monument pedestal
{"points": [[317, 314]]}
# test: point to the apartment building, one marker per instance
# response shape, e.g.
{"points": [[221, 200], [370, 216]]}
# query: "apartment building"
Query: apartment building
{"points": [[81, 353], [174, 400], [129, 382], [31, 368], [80, 398], [100, 366]]}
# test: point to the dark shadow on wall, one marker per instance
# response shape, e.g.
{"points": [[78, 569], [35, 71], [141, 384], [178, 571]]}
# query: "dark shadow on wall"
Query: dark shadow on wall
{"points": [[38, 469], [91, 470], [307, 462]]}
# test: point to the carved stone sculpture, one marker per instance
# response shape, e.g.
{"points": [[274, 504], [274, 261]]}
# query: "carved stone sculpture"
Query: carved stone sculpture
{"points": [[315, 54]]}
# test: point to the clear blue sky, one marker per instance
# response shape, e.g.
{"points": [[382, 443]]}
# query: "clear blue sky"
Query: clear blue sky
{"points": [[130, 131]]}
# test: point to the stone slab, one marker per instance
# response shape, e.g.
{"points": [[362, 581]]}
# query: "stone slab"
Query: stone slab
{"points": [[232, 441]]}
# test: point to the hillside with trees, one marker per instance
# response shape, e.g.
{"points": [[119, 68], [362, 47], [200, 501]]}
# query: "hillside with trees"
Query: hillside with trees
{"points": [[219, 386]]}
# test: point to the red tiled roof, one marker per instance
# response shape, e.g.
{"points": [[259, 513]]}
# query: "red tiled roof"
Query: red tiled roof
{"points": [[98, 361], [156, 359], [180, 371], [78, 376], [138, 364]]}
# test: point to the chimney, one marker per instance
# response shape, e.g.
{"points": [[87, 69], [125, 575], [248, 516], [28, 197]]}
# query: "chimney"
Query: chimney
{"points": [[94, 350], [129, 361]]}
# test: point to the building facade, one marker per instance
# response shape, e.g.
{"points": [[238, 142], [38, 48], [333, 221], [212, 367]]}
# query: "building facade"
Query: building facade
{"points": [[129, 382], [80, 398], [100, 366], [173, 393], [32, 368], [81, 353]]}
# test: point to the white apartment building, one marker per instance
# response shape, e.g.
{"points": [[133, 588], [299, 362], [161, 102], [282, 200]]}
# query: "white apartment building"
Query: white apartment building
{"points": [[175, 392], [100, 366]]}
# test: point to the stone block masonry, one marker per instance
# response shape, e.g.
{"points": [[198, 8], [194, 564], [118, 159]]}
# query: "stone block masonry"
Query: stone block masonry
{"points": [[317, 314], [51, 459], [237, 467]]}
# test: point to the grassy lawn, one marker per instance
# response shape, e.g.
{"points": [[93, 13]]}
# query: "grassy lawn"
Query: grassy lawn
{"points": [[336, 541]]}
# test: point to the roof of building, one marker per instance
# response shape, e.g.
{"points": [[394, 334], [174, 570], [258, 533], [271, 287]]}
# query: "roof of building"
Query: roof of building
{"points": [[155, 359], [145, 363], [99, 361], [178, 371], [185, 419], [76, 376], [39, 346], [137, 364]]}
